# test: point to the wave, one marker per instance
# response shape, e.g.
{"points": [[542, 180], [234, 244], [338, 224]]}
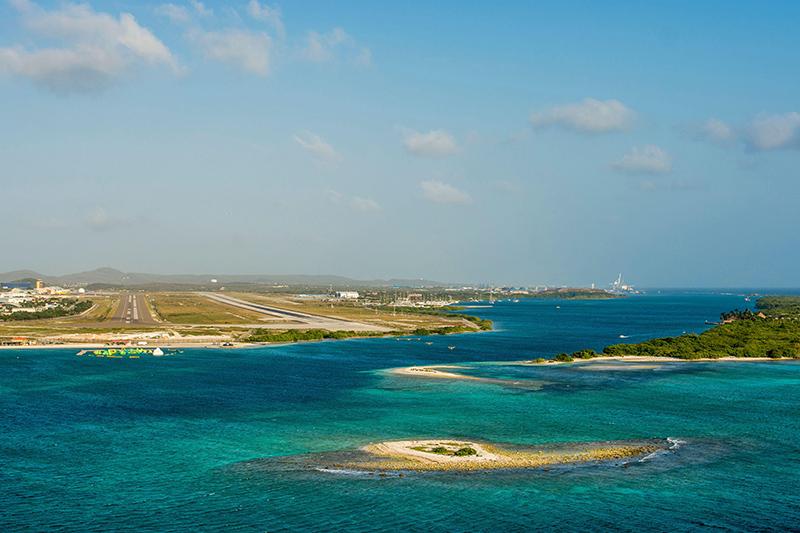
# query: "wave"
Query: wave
{"points": [[343, 471], [674, 444]]}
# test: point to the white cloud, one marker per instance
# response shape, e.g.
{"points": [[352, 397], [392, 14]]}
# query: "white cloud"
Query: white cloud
{"points": [[364, 204], [649, 159], [99, 48], [63, 69], [435, 143], [248, 50], [443, 193], [201, 9], [774, 132], [717, 131], [317, 146], [268, 14], [335, 44], [587, 116], [175, 13], [357, 203], [98, 219]]}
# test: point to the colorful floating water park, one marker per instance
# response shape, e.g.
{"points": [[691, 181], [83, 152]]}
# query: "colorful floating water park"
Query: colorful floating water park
{"points": [[126, 353]]}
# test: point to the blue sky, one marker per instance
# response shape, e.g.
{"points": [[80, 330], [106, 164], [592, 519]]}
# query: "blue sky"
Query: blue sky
{"points": [[556, 143]]}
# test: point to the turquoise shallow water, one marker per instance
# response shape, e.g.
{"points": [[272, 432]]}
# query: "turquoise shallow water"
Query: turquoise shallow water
{"points": [[164, 444]]}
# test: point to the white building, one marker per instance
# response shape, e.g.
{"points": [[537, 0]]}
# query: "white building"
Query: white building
{"points": [[347, 295]]}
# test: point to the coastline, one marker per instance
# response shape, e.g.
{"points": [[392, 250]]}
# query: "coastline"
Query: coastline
{"points": [[648, 359], [234, 344]]}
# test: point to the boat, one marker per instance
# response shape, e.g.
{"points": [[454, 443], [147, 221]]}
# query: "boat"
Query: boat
{"points": [[158, 352], [451, 347]]}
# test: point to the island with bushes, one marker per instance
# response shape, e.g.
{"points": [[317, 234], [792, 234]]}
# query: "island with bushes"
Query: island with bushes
{"points": [[457, 455], [771, 331]]}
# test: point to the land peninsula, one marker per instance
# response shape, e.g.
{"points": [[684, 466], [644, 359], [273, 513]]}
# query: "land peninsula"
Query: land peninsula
{"points": [[170, 318], [107, 307]]}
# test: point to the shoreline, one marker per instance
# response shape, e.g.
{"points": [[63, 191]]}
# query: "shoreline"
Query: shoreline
{"points": [[648, 359], [235, 344]]}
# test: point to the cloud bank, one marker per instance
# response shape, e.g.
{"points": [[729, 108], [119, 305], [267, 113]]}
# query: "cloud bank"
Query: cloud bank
{"points": [[244, 49], [586, 116], [97, 48], [774, 132], [435, 143], [316, 146], [443, 193], [336, 44], [649, 159]]}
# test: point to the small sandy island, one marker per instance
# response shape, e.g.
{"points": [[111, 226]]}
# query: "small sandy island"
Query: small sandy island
{"points": [[458, 455], [450, 454], [446, 372], [433, 371]]}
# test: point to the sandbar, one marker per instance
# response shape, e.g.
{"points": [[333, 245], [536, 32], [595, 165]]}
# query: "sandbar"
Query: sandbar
{"points": [[444, 372], [457, 455]]}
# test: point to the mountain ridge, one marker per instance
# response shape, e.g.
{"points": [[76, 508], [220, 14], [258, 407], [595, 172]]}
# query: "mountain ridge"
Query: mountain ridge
{"points": [[112, 276]]}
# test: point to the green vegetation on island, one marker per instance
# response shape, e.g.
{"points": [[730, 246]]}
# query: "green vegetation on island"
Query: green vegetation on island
{"points": [[773, 331], [572, 293], [464, 451]]}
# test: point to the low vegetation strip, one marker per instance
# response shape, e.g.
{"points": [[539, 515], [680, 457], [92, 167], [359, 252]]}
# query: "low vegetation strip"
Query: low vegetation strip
{"points": [[266, 336], [774, 332]]}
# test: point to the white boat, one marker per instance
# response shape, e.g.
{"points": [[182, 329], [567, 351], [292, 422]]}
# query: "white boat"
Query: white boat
{"points": [[158, 351]]}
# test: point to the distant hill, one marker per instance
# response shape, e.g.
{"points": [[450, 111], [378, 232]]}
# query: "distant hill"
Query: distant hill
{"points": [[112, 277]]}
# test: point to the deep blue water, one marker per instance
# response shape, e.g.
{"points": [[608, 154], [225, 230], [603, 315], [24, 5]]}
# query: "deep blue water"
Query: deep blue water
{"points": [[163, 444]]}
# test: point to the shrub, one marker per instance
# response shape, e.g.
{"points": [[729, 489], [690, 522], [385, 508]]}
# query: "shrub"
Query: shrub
{"points": [[462, 452]]}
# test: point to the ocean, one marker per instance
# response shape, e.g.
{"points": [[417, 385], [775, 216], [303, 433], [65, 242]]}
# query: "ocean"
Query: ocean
{"points": [[171, 443]]}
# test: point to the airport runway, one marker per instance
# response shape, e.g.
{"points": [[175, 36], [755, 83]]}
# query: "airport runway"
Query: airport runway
{"points": [[304, 319], [133, 311]]}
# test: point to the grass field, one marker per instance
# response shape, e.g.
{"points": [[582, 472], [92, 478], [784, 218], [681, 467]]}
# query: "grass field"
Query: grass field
{"points": [[190, 308], [351, 311], [102, 311]]}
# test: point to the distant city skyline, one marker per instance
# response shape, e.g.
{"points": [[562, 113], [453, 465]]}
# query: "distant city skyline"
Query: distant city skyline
{"points": [[524, 144]]}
